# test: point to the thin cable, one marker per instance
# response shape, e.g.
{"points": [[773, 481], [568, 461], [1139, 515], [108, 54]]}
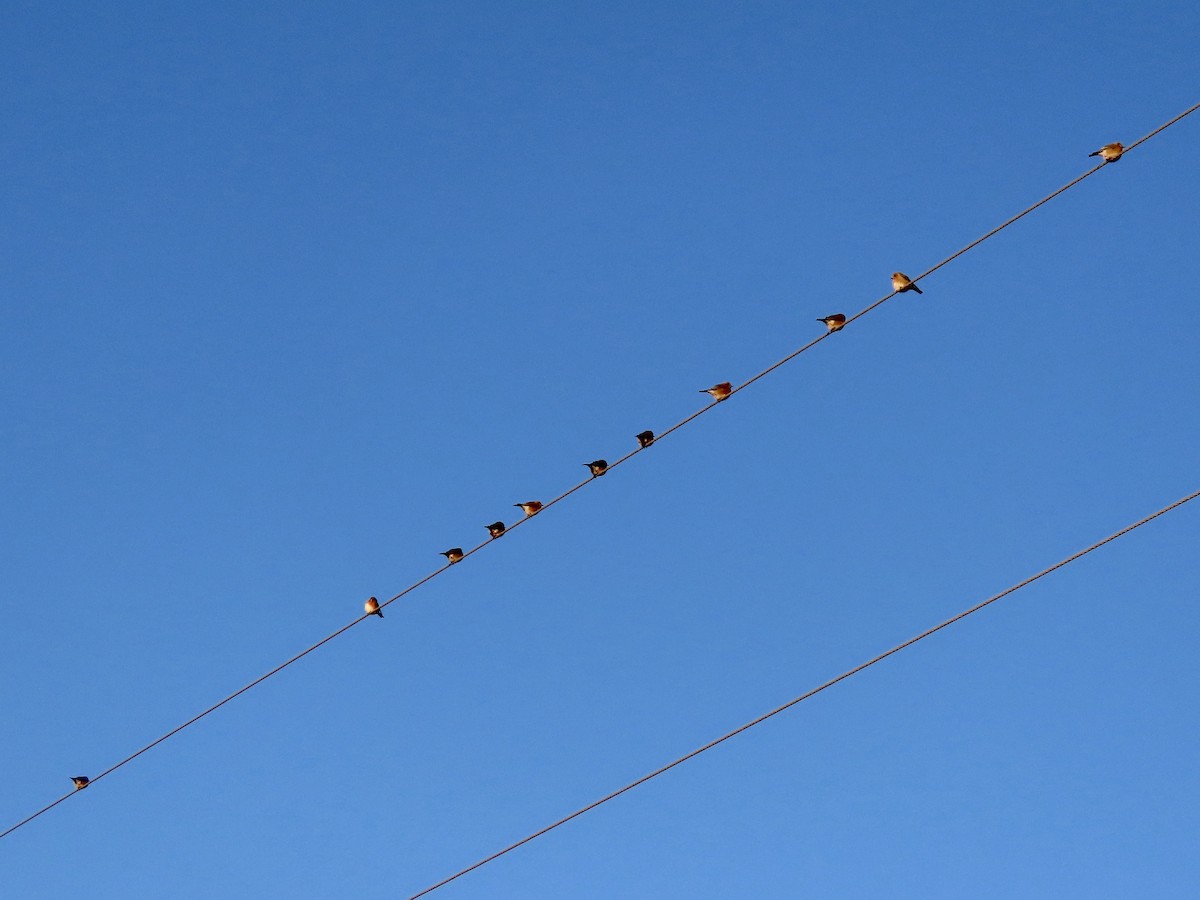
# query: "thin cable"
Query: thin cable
{"points": [[1186, 112], [567, 493], [195, 718], [828, 684]]}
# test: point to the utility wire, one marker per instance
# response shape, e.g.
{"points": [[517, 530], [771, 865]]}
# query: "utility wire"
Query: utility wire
{"points": [[1164, 126], [565, 494], [828, 684]]}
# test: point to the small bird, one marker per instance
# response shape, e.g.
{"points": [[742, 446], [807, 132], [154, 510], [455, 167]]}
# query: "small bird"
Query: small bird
{"points": [[81, 781], [836, 322], [645, 439], [454, 554], [531, 507], [902, 283], [372, 606], [598, 467], [495, 529], [1110, 152], [719, 391]]}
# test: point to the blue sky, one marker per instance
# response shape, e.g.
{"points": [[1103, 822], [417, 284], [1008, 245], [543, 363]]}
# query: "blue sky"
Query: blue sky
{"points": [[296, 298]]}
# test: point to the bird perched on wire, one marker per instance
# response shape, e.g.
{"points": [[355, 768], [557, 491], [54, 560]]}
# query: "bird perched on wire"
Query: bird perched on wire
{"points": [[719, 391], [495, 529], [902, 283], [597, 467], [454, 554], [81, 781], [372, 607], [530, 507], [645, 439], [1110, 152], [836, 322]]}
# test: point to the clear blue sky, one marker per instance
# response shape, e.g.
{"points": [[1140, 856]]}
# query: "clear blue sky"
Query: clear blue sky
{"points": [[295, 296]]}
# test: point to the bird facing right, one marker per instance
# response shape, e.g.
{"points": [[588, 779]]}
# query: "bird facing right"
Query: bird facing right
{"points": [[1110, 152], [719, 391], [836, 322]]}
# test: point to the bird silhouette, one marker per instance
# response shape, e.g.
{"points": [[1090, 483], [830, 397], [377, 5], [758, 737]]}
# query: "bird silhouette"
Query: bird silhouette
{"points": [[81, 781], [531, 506], [1110, 152], [719, 391], [372, 606], [836, 322], [902, 283], [495, 529], [454, 554], [645, 439], [597, 467]]}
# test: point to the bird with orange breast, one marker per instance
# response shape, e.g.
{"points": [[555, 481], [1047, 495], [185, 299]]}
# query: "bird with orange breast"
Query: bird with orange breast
{"points": [[454, 554], [836, 322], [719, 391], [902, 283], [495, 529], [372, 607], [530, 507], [80, 781], [1110, 152], [597, 467]]}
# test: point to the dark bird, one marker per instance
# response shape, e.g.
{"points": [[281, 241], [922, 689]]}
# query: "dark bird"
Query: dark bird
{"points": [[531, 507], [372, 606], [81, 781], [836, 322], [902, 283], [454, 554], [598, 467], [719, 391], [1109, 152], [645, 439], [495, 529]]}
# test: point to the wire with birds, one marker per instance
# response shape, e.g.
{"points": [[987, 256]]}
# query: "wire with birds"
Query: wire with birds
{"points": [[720, 392]]}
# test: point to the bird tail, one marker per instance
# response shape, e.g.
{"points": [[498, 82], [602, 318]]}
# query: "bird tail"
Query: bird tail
{"points": [[917, 289], [1097, 153]]}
